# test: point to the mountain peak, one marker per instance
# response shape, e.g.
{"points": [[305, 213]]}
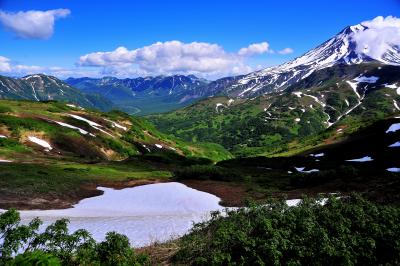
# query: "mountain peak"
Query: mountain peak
{"points": [[352, 45]]}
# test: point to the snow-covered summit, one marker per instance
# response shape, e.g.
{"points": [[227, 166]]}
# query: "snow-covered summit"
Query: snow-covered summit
{"points": [[365, 42]]}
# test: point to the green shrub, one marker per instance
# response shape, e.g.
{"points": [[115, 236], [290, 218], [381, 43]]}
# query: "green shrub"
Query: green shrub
{"points": [[204, 172], [56, 246], [347, 231]]}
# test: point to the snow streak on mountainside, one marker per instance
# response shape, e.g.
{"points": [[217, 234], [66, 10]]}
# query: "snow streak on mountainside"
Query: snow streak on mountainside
{"points": [[353, 45]]}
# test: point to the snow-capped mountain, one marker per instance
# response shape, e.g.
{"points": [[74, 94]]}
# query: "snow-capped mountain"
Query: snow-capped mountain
{"points": [[344, 48], [40, 87]]}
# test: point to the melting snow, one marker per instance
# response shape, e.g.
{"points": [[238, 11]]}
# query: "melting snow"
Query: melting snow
{"points": [[396, 144], [396, 105], [159, 146], [145, 214], [301, 170], [297, 120], [82, 131], [393, 128], [371, 79], [91, 123], [393, 170], [5, 161], [363, 159], [298, 93], [318, 154], [114, 124], [3, 137], [40, 142]]}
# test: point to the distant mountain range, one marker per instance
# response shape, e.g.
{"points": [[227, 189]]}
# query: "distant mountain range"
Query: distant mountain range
{"points": [[147, 95], [41, 87]]}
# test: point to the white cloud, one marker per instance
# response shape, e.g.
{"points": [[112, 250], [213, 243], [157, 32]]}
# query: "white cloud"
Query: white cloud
{"points": [[254, 49], [380, 34], [32, 24], [286, 51], [5, 65], [174, 57]]}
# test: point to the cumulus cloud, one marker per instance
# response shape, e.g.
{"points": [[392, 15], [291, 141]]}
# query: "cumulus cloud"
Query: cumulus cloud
{"points": [[254, 49], [8, 67], [32, 24], [286, 51], [174, 57], [169, 57], [380, 34]]}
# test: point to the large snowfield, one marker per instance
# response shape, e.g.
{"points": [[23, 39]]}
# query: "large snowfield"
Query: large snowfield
{"points": [[145, 214]]}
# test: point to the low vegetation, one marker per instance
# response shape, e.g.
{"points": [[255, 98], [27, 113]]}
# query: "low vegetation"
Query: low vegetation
{"points": [[347, 231]]}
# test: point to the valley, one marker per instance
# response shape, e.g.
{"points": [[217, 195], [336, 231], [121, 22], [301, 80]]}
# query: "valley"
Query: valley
{"points": [[250, 166]]}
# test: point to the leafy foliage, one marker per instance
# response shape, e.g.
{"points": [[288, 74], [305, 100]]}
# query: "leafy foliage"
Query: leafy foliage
{"points": [[56, 246], [348, 231]]}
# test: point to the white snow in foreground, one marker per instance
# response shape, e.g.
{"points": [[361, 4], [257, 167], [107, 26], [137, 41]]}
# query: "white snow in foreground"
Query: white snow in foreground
{"points": [[3, 137], [371, 79], [361, 160], [318, 154], [393, 128], [40, 142], [396, 144], [145, 214], [82, 131], [159, 146], [114, 124], [301, 170], [393, 170], [91, 123]]}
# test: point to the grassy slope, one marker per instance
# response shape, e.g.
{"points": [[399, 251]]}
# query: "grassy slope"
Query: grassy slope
{"points": [[78, 162], [282, 123]]}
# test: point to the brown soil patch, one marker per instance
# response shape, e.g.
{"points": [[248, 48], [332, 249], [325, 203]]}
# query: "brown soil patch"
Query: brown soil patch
{"points": [[66, 200], [231, 195]]}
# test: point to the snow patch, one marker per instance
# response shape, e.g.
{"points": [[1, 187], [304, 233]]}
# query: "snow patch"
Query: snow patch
{"points": [[301, 170], [393, 169], [114, 124], [159, 146], [40, 142], [91, 123], [396, 144], [393, 128], [298, 93], [361, 160], [318, 154]]}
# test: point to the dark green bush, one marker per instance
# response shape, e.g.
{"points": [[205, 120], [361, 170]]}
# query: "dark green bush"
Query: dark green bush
{"points": [[204, 172], [347, 231]]}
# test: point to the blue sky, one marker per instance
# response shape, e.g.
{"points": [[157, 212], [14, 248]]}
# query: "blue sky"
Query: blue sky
{"points": [[103, 26]]}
